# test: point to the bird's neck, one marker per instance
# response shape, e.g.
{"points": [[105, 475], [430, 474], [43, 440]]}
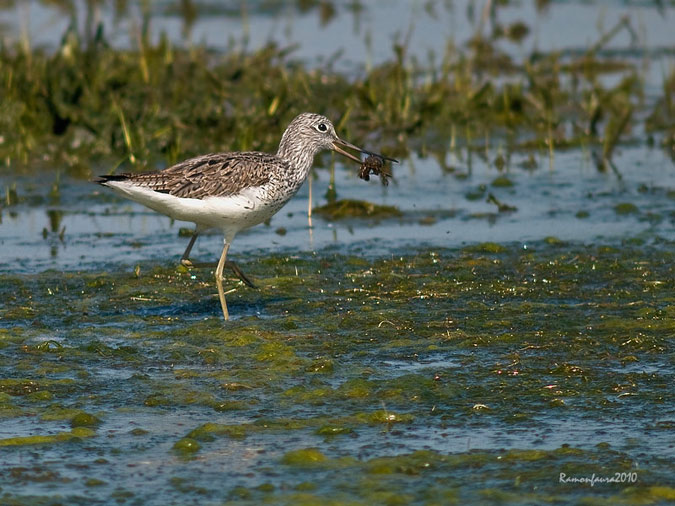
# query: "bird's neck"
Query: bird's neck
{"points": [[300, 159]]}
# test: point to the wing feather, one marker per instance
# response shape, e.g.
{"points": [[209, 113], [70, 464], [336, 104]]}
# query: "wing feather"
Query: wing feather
{"points": [[216, 174]]}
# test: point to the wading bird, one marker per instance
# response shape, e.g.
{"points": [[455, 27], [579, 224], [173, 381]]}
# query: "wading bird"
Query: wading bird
{"points": [[233, 191]]}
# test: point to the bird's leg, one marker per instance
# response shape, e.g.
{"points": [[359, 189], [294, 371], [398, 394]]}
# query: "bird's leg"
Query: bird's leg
{"points": [[309, 201], [184, 259], [238, 272], [230, 265], [219, 280]]}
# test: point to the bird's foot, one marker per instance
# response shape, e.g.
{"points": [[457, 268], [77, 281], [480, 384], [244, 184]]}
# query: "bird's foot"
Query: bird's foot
{"points": [[238, 272], [235, 269]]}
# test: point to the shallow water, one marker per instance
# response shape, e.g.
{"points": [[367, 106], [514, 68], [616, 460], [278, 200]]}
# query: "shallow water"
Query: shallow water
{"points": [[453, 354], [442, 373], [379, 361], [572, 202]]}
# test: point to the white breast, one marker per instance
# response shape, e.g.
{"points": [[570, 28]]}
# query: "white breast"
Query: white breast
{"points": [[230, 214]]}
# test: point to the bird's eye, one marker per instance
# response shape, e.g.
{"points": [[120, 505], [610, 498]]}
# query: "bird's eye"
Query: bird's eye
{"points": [[321, 127]]}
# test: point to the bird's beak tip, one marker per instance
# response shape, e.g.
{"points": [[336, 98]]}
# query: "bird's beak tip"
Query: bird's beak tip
{"points": [[338, 145]]}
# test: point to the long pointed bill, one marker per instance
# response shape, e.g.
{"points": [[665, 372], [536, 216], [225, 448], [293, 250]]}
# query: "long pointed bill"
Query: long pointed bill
{"points": [[339, 143]]}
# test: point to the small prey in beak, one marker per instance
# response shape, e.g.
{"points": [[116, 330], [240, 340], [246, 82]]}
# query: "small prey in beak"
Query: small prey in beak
{"points": [[339, 143], [374, 163]]}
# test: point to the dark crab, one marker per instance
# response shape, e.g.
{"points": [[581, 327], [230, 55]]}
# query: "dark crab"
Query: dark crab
{"points": [[375, 164]]}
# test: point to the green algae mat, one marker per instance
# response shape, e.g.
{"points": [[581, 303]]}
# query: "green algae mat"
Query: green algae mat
{"points": [[491, 374]]}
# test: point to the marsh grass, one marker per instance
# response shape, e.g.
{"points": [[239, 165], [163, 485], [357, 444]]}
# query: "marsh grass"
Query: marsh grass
{"points": [[87, 102]]}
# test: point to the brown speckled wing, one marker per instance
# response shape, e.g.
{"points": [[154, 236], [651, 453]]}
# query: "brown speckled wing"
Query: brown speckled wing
{"points": [[213, 175]]}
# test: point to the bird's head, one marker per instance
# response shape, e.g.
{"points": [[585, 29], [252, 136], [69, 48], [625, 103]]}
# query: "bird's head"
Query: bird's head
{"points": [[310, 133]]}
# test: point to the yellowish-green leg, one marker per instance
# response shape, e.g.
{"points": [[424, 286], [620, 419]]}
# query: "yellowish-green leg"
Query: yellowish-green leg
{"points": [[219, 280], [184, 260]]}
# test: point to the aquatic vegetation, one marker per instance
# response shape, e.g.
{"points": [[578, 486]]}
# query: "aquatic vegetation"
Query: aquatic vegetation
{"points": [[347, 208], [424, 350], [159, 103], [493, 371], [76, 433]]}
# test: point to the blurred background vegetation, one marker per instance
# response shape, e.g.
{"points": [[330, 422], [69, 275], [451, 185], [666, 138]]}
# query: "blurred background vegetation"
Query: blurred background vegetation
{"points": [[150, 101]]}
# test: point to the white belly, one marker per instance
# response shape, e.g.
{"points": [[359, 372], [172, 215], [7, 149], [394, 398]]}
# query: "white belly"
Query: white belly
{"points": [[230, 214]]}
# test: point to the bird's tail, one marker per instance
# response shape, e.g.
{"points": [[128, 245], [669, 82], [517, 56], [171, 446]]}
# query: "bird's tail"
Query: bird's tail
{"points": [[110, 177]]}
